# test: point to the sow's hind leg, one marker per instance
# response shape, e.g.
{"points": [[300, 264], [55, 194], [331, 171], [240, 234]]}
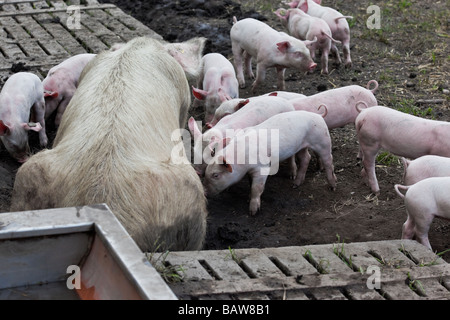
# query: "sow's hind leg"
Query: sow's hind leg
{"points": [[32, 186]]}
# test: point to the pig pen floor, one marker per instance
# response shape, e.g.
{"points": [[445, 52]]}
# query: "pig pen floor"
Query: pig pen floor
{"points": [[36, 35], [378, 270]]}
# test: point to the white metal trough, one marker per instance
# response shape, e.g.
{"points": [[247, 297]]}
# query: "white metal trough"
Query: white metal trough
{"points": [[73, 253]]}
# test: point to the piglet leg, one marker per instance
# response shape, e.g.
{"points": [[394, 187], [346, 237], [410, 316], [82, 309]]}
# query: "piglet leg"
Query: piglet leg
{"points": [[303, 158], [257, 188]]}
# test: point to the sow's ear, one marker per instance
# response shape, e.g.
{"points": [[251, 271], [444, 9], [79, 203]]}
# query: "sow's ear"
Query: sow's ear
{"points": [[188, 54]]}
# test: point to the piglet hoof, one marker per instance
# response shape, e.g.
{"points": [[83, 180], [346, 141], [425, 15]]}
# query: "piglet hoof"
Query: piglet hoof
{"points": [[43, 142], [295, 186], [348, 65], [254, 207]]}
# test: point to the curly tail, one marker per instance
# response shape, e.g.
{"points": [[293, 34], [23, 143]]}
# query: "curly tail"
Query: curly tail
{"points": [[406, 163], [375, 83], [331, 38], [325, 112], [399, 187], [234, 19], [363, 103], [343, 17]]}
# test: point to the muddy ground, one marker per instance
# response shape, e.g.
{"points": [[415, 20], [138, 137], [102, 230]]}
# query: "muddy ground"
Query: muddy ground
{"points": [[408, 56]]}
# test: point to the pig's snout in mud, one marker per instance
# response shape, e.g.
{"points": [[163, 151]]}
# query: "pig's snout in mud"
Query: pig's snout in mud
{"points": [[23, 159], [312, 66]]}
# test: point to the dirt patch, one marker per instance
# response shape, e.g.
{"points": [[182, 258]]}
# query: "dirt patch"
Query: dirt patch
{"points": [[408, 56]]}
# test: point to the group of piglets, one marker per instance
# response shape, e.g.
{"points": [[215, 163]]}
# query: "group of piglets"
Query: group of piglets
{"points": [[311, 27], [292, 123], [24, 97], [427, 177], [302, 123]]}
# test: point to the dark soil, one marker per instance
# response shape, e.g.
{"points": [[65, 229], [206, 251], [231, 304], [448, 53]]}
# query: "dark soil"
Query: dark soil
{"points": [[408, 57]]}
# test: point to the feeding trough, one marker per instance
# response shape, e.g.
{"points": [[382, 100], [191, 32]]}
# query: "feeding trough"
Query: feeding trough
{"points": [[73, 253]]}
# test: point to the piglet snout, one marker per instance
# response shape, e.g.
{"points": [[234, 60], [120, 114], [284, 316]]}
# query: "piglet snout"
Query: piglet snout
{"points": [[312, 66]]}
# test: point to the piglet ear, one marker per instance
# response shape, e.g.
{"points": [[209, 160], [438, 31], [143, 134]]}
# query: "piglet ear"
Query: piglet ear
{"points": [[241, 104], [308, 43], [226, 165], [293, 4], [304, 6], [283, 46], [3, 128], [199, 94], [195, 131], [34, 126], [50, 94], [318, 1], [223, 95]]}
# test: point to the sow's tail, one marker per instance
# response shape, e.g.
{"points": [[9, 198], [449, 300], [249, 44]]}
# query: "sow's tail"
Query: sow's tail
{"points": [[398, 188]]}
